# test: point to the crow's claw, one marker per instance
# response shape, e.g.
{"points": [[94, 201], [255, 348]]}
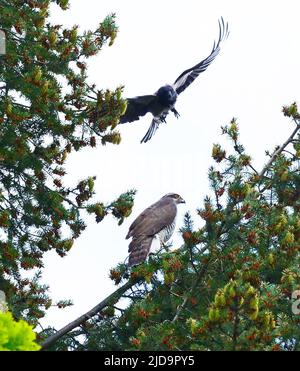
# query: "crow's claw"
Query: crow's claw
{"points": [[176, 114], [163, 119]]}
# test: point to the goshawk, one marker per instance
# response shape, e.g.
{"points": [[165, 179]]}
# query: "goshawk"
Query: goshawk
{"points": [[158, 220]]}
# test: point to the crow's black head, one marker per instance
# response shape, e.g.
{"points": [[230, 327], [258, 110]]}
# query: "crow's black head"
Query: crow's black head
{"points": [[166, 95]]}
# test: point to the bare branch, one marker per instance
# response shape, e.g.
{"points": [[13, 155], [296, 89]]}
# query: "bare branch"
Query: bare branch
{"points": [[279, 150], [182, 306], [88, 315]]}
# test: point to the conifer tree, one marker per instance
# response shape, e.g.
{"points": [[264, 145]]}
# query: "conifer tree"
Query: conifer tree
{"points": [[47, 111], [233, 283]]}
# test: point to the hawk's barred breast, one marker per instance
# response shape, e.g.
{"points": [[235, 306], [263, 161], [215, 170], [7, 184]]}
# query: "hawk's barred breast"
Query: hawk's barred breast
{"points": [[166, 233]]}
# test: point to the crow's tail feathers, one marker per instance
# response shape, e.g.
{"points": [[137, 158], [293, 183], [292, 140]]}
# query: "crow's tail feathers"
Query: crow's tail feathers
{"points": [[151, 131], [154, 126]]}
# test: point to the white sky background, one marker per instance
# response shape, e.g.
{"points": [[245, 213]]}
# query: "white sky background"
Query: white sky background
{"points": [[256, 73]]}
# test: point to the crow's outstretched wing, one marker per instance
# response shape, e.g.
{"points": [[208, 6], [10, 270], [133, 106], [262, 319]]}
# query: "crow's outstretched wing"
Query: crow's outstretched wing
{"points": [[137, 107], [154, 126], [188, 76]]}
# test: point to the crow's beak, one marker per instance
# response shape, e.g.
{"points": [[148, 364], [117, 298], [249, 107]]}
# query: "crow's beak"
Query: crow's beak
{"points": [[182, 200]]}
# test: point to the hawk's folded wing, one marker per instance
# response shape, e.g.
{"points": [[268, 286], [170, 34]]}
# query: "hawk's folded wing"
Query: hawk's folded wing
{"points": [[150, 222]]}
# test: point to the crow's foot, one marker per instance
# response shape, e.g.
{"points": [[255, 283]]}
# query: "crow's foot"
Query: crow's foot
{"points": [[176, 113]]}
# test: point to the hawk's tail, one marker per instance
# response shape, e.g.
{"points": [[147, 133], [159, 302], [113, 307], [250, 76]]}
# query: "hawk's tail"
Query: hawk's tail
{"points": [[139, 249]]}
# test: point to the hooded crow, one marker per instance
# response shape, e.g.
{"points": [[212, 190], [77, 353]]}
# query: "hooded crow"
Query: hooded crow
{"points": [[163, 101]]}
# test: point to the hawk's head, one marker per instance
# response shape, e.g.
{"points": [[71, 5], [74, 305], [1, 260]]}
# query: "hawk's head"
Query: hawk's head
{"points": [[176, 197]]}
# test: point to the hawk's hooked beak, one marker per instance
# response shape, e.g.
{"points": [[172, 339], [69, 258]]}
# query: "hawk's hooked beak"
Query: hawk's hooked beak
{"points": [[181, 200]]}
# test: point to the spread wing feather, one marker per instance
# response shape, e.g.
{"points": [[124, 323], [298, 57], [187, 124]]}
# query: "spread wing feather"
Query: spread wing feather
{"points": [[137, 107], [188, 76]]}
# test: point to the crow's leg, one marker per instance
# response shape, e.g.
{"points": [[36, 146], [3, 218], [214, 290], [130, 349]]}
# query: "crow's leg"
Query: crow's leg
{"points": [[175, 112], [163, 118]]}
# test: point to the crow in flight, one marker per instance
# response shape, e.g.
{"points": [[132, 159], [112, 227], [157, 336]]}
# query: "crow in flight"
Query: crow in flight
{"points": [[163, 101]]}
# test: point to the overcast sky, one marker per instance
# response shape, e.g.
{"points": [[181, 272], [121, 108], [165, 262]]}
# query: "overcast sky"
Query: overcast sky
{"points": [[255, 74]]}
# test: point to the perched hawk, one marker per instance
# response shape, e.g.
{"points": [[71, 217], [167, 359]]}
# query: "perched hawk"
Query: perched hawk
{"points": [[156, 220], [163, 101]]}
